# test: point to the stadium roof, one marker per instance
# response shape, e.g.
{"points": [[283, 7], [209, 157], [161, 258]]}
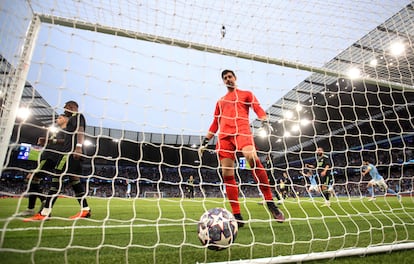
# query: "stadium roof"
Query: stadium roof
{"points": [[330, 97], [335, 101], [371, 55]]}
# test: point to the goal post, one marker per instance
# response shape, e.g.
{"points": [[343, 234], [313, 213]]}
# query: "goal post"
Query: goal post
{"points": [[326, 255], [67, 22], [146, 77], [15, 81]]}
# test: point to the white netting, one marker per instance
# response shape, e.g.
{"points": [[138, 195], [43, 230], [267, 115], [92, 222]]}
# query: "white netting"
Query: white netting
{"points": [[147, 76]]}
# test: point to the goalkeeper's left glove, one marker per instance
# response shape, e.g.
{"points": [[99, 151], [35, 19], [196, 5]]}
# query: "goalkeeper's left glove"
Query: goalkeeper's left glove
{"points": [[267, 127], [203, 146]]}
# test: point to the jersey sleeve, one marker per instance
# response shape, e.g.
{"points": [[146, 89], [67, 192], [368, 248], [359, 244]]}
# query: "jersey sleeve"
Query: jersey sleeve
{"points": [[214, 125], [82, 121], [261, 114]]}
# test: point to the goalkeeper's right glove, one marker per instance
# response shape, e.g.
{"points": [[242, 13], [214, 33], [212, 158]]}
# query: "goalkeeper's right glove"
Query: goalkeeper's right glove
{"points": [[267, 127], [203, 146]]}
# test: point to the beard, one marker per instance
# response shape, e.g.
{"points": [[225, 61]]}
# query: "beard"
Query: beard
{"points": [[230, 85]]}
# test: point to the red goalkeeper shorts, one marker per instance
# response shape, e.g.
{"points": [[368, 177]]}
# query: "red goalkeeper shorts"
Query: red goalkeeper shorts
{"points": [[226, 147]]}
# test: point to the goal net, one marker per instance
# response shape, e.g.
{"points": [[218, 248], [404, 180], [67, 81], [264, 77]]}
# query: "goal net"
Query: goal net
{"points": [[335, 75]]}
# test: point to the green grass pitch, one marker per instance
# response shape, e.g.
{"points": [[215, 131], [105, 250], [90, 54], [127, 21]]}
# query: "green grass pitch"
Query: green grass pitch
{"points": [[164, 231]]}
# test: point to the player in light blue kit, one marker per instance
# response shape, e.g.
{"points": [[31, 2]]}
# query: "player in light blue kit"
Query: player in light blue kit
{"points": [[313, 184], [376, 180], [128, 190]]}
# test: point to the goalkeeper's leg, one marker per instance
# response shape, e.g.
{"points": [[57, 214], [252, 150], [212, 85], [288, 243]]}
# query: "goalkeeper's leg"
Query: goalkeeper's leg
{"points": [[232, 189], [260, 175]]}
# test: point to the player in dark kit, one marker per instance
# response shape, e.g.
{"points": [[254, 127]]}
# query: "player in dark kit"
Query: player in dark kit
{"points": [[286, 186], [323, 168], [190, 187], [69, 164], [271, 176], [48, 160]]}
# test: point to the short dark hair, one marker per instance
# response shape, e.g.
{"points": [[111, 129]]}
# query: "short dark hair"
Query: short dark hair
{"points": [[72, 103], [227, 71]]}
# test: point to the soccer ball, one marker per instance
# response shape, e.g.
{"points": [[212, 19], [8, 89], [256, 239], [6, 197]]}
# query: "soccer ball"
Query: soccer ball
{"points": [[217, 228]]}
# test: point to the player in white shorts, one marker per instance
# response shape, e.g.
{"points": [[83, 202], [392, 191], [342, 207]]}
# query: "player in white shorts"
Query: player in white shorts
{"points": [[376, 180], [312, 176]]}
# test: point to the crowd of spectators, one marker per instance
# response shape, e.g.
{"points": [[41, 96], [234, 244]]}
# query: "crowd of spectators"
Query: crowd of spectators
{"points": [[112, 181]]}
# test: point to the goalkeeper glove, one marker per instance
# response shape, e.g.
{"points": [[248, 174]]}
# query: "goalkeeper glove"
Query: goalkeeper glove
{"points": [[267, 127], [203, 146]]}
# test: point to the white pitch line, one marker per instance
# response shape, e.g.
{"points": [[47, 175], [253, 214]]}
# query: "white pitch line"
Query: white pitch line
{"points": [[88, 227]]}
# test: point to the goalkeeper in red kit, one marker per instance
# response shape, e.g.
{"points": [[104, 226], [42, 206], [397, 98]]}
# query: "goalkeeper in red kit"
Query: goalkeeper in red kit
{"points": [[231, 119]]}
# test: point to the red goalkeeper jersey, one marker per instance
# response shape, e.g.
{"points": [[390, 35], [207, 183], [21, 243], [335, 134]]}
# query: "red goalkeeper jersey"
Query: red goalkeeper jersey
{"points": [[231, 115]]}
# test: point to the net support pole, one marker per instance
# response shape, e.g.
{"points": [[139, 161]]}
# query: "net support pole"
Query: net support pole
{"points": [[325, 255], [14, 91]]}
